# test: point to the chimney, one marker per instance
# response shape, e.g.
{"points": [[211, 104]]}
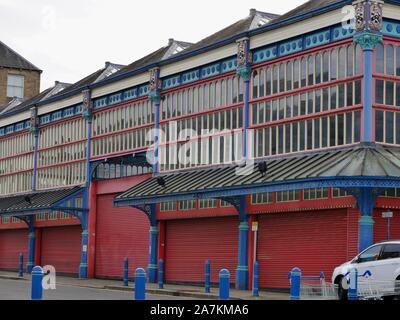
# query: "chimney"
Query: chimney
{"points": [[107, 64], [253, 12], [171, 41]]}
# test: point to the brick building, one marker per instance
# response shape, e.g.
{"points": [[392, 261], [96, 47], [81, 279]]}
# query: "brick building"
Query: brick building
{"points": [[19, 78]]}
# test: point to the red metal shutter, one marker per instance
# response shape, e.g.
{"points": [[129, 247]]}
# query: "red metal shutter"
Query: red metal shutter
{"points": [[120, 232], [189, 243], [312, 241], [381, 226], [12, 243], [61, 248]]}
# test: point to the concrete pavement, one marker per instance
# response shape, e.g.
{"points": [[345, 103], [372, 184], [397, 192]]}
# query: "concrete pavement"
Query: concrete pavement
{"points": [[170, 291]]}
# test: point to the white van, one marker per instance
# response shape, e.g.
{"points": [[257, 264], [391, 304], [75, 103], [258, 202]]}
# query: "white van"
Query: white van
{"points": [[380, 262]]}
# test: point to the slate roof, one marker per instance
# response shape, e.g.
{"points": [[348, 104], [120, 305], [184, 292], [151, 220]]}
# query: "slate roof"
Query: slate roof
{"points": [[15, 106], [11, 59], [154, 57], [41, 200], [362, 161], [238, 27], [308, 7]]}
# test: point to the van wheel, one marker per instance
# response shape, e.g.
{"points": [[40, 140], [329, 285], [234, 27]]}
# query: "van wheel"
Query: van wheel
{"points": [[342, 293]]}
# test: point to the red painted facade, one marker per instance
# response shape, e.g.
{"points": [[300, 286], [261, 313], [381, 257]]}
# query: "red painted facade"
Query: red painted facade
{"points": [[288, 240], [189, 243], [12, 243], [61, 248]]}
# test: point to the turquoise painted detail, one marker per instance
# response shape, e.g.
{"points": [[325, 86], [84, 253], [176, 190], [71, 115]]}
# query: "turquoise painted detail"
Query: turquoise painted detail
{"points": [[130, 94], [143, 90], [190, 76], [115, 98], [242, 268], [229, 65], [100, 103], [366, 221], [340, 33], [265, 54], [210, 71], [391, 28], [171, 82], [317, 39], [290, 47], [244, 226]]}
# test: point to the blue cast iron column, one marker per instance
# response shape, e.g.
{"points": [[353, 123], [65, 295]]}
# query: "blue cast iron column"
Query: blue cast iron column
{"points": [[368, 34], [366, 203], [155, 97], [87, 115], [153, 259], [31, 245], [243, 70], [31, 221], [242, 271]]}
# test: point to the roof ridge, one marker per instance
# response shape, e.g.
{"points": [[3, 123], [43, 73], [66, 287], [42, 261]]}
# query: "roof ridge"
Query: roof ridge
{"points": [[20, 56]]}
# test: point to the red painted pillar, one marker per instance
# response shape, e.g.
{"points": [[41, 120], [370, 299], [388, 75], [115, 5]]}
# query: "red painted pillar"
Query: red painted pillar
{"points": [[38, 246], [252, 218], [92, 229], [161, 239]]}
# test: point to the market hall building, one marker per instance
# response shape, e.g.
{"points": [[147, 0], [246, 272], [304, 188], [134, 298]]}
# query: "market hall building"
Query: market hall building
{"points": [[287, 121]]}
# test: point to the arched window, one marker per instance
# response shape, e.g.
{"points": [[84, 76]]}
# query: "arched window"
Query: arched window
{"points": [[379, 52], [334, 65], [342, 62], [389, 50], [318, 68], [255, 84], [310, 77], [350, 61]]}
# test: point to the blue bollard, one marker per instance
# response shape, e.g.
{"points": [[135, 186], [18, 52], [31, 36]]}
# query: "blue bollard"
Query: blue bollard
{"points": [[140, 284], [126, 272], [21, 265], [224, 284], [295, 281], [37, 288], [353, 286], [255, 280], [208, 277], [161, 275]]}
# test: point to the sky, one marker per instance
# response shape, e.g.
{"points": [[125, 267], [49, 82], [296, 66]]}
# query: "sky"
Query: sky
{"points": [[69, 39]]}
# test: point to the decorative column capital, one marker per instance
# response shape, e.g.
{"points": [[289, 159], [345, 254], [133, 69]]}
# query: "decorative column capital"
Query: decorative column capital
{"points": [[366, 221], [155, 85], [367, 40], [244, 59], [87, 110], [368, 23], [34, 121]]}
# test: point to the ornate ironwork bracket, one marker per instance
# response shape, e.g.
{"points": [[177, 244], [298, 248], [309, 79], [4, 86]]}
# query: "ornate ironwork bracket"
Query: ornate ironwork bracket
{"points": [[234, 201]]}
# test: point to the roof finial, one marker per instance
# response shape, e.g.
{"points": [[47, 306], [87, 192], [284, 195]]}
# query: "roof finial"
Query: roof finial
{"points": [[253, 12]]}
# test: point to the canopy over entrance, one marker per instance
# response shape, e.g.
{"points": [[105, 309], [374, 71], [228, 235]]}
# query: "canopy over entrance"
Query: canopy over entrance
{"points": [[364, 166], [42, 201]]}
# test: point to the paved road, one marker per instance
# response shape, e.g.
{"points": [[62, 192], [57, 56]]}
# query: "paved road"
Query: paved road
{"points": [[20, 290]]}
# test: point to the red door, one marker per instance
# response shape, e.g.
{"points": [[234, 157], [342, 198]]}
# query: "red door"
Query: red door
{"points": [[61, 248], [12, 243], [381, 226], [189, 243], [120, 232], [313, 241]]}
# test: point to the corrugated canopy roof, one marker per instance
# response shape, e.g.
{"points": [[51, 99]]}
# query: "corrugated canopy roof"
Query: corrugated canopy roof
{"points": [[36, 201], [366, 161]]}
